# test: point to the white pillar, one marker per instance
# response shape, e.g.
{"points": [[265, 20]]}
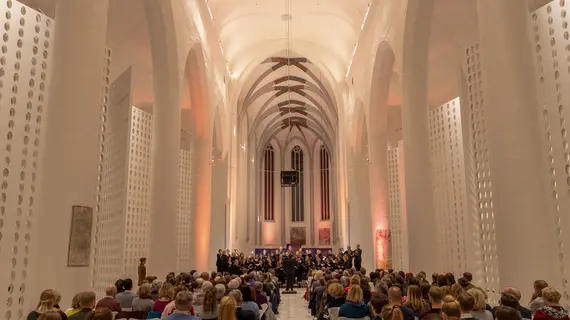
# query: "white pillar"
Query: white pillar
{"points": [[517, 161], [72, 138], [219, 194], [202, 202], [166, 141]]}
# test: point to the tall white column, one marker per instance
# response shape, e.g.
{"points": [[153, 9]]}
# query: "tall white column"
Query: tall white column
{"points": [[70, 160], [202, 202], [165, 142], [517, 161], [219, 194]]}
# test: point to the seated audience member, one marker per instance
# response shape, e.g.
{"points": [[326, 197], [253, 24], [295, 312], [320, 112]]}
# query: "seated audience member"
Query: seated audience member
{"points": [[511, 297], [165, 296], [451, 311], [466, 302], [241, 314], [227, 309], [335, 296], [354, 307], [109, 301], [182, 304], [172, 305], [353, 280], [248, 300], [507, 313], [366, 292], [126, 297], [48, 299], [537, 301], [552, 310], [154, 289], [75, 307], [435, 299], [50, 315], [479, 310], [415, 302], [143, 302], [220, 291], [103, 314], [119, 285], [395, 298], [210, 307], [377, 302], [260, 296], [199, 296], [87, 302]]}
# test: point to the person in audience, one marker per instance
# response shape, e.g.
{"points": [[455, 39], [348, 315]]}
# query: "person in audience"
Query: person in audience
{"points": [[154, 289], [415, 302], [119, 285], [507, 313], [143, 301], [354, 280], [142, 270], [50, 315], [377, 303], [103, 314], [199, 297], [126, 297], [456, 290], [435, 299], [395, 297], [75, 307], [552, 310], [434, 278], [169, 309], [354, 308], [248, 300], [109, 301], [510, 297], [537, 301], [260, 296], [48, 299], [220, 291], [165, 296], [366, 292], [210, 307], [466, 302], [424, 287], [227, 309], [241, 314], [87, 302], [182, 304], [479, 310], [451, 311]]}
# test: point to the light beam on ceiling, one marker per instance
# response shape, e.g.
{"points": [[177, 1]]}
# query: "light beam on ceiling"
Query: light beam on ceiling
{"points": [[356, 45]]}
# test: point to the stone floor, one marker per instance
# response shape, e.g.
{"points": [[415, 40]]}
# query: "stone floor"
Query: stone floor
{"points": [[293, 306]]}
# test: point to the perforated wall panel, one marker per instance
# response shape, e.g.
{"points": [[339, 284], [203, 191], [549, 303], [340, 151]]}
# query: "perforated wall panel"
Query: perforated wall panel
{"points": [[184, 224], [395, 219], [552, 51], [137, 227], [25, 57], [446, 148], [480, 179]]}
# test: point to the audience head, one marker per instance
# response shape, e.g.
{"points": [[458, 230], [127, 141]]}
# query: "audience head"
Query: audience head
{"points": [[414, 298], [377, 302], [551, 296], [468, 276], [87, 300], [48, 299], [246, 293], [155, 286], [355, 294], [119, 285], [395, 295], [336, 290], [144, 291], [166, 292], [435, 295], [479, 298], [425, 287], [509, 300], [451, 310], [237, 296], [101, 314], [50, 315], [392, 313], [354, 280], [514, 291], [450, 279], [227, 309], [466, 302], [538, 286], [456, 290], [220, 291], [210, 299], [507, 313], [128, 284], [183, 300], [111, 291]]}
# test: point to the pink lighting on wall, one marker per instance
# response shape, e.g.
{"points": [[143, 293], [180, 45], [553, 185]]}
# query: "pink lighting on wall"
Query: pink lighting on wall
{"points": [[382, 248]]}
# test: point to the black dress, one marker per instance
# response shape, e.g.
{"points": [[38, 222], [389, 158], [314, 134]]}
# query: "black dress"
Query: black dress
{"points": [[34, 315]]}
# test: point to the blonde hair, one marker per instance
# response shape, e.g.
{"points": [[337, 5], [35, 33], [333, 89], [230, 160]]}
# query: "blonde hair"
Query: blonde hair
{"points": [[48, 299], [451, 309], [166, 291], [144, 291], [355, 294], [391, 313], [456, 290], [335, 290], [318, 275], [414, 298], [449, 298], [355, 280], [551, 295], [479, 298], [227, 309]]}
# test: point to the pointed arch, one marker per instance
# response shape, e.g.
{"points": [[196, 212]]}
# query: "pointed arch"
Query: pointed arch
{"points": [[269, 183], [298, 193]]}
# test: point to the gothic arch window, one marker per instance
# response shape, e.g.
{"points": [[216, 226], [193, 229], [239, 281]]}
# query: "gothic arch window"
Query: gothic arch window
{"points": [[325, 184], [298, 192], [269, 187]]}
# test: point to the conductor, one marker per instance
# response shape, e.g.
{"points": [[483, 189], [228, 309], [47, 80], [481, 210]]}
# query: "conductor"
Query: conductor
{"points": [[289, 265]]}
